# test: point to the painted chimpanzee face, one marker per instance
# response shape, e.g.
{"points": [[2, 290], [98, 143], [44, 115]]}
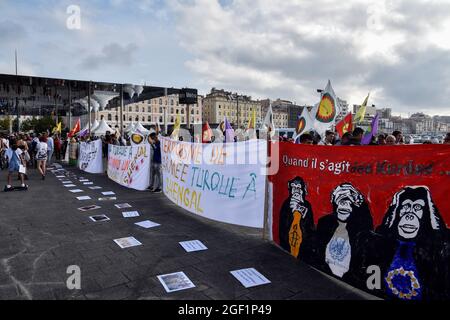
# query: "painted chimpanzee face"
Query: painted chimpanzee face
{"points": [[344, 209], [411, 213], [297, 192]]}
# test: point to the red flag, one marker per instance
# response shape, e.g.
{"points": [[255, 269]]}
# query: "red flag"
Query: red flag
{"points": [[206, 133], [345, 125], [75, 129]]}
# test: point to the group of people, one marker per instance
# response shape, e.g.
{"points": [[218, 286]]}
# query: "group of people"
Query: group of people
{"points": [[22, 151], [156, 179], [354, 139]]}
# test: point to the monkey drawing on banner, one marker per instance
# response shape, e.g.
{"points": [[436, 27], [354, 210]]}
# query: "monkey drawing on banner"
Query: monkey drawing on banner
{"points": [[412, 248], [296, 224], [338, 233]]}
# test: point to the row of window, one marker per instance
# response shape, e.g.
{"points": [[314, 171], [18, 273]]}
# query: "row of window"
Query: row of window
{"points": [[149, 109], [149, 119]]}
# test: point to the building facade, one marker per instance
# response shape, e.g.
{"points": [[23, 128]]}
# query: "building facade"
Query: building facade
{"points": [[238, 109], [279, 109], [162, 110]]}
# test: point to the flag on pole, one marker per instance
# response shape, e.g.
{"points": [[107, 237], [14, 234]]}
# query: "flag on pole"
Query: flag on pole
{"points": [[176, 128], [268, 122], [345, 125], [360, 114], [252, 120], [229, 132], [206, 133], [325, 113], [305, 123], [75, 129], [372, 131], [57, 129]]}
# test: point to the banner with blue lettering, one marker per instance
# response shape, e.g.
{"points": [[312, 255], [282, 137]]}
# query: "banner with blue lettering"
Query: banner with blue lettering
{"points": [[222, 182]]}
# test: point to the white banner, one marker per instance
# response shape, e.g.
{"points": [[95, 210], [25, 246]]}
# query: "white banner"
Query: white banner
{"points": [[90, 157], [129, 166], [223, 182]]}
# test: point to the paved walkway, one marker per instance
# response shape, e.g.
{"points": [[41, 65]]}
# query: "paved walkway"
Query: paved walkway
{"points": [[42, 232]]}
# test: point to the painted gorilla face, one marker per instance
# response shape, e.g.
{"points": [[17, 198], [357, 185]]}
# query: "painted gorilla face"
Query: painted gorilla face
{"points": [[344, 209], [297, 191], [345, 199], [411, 213]]}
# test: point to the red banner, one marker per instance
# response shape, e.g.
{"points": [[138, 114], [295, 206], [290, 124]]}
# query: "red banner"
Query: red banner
{"points": [[344, 208]]}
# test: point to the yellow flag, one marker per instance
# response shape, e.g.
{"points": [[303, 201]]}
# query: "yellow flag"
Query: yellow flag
{"points": [[176, 128], [359, 116], [57, 129], [252, 120]]}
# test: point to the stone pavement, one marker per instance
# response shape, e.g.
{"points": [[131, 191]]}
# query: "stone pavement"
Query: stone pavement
{"points": [[42, 233]]}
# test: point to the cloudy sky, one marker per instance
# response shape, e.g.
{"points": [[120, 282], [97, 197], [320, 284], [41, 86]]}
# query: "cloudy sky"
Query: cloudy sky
{"points": [[398, 50]]}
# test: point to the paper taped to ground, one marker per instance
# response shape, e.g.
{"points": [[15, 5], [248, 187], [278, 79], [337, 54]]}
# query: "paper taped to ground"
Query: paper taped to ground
{"points": [[108, 193], [194, 245], [147, 224], [60, 176], [130, 214], [175, 282], [123, 205], [127, 242], [88, 183], [69, 185], [84, 198], [67, 182], [76, 190], [95, 188], [99, 218], [250, 277], [89, 208], [107, 198]]}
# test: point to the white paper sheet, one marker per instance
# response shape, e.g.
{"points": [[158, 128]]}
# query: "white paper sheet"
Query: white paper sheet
{"points": [[250, 277], [130, 214], [95, 188], [193, 245], [127, 242], [147, 224], [107, 198], [69, 185], [108, 193], [76, 190], [84, 198], [122, 205], [175, 282]]}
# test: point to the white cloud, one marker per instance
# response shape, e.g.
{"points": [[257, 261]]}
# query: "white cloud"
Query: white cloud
{"points": [[292, 47]]}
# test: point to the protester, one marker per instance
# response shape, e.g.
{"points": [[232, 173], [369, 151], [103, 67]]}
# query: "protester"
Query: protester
{"points": [[391, 140], [156, 174], [306, 138], [382, 139], [57, 142], [329, 139], [16, 164], [41, 155], [346, 139], [447, 139], [357, 136], [398, 137], [50, 148]]}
